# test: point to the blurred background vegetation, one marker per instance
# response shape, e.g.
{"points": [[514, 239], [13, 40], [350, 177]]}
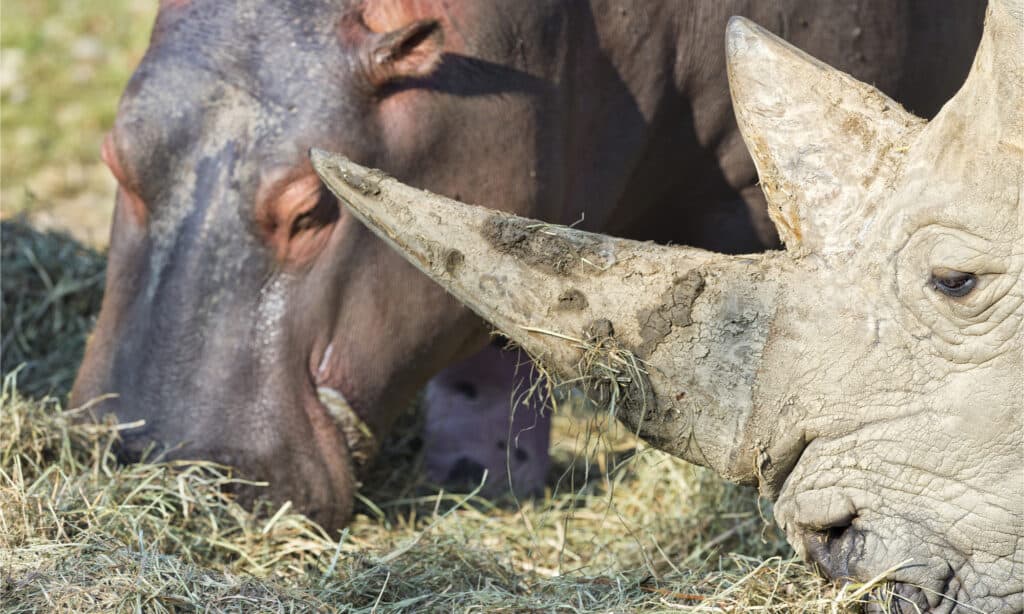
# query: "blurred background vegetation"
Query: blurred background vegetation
{"points": [[63, 64]]}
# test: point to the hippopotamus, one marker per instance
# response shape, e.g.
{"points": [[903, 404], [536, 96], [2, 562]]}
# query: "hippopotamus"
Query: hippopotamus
{"points": [[868, 378], [250, 319]]}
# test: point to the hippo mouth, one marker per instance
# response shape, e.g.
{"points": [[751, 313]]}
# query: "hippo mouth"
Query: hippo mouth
{"points": [[362, 443], [329, 389]]}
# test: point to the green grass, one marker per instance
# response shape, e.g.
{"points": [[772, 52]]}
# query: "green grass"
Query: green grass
{"points": [[62, 68]]}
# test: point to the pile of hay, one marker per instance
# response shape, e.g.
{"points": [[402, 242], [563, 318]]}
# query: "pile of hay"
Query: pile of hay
{"points": [[628, 529], [51, 287]]}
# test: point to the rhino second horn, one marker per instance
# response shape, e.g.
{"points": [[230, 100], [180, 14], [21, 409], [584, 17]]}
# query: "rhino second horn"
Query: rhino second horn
{"points": [[638, 324], [989, 108], [820, 144]]}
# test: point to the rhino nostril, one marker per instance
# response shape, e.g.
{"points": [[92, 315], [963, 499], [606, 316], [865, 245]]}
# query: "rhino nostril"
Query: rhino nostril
{"points": [[833, 534], [832, 549], [132, 447]]}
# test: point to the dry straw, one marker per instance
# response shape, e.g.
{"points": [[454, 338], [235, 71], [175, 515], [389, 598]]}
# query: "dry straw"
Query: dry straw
{"points": [[623, 528]]}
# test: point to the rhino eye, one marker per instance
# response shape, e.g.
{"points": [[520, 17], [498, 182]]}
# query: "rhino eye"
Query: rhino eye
{"points": [[953, 283]]}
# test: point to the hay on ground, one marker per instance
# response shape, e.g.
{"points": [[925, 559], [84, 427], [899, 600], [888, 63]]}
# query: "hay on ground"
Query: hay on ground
{"points": [[51, 287], [623, 528]]}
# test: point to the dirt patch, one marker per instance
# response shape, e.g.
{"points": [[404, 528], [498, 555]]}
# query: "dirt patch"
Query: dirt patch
{"points": [[857, 127], [540, 245], [572, 300], [613, 377], [674, 310], [453, 259], [599, 331]]}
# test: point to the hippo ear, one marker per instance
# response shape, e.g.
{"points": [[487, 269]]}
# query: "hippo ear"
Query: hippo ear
{"points": [[406, 53], [821, 140]]}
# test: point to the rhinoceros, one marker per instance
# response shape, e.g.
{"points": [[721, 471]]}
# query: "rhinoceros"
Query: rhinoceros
{"points": [[868, 377], [248, 319]]}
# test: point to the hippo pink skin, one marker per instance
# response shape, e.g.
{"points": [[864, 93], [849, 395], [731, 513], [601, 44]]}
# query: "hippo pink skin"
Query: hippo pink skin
{"points": [[479, 417], [250, 319]]}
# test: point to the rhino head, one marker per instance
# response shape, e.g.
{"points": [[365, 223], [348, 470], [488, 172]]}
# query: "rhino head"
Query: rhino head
{"points": [[868, 378]]}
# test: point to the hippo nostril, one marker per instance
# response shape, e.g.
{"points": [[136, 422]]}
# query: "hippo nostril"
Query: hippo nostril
{"points": [[133, 447], [466, 389], [521, 455], [466, 471], [126, 455], [501, 444]]}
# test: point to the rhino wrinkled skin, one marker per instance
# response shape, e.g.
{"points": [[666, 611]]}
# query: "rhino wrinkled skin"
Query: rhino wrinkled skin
{"points": [[868, 378]]}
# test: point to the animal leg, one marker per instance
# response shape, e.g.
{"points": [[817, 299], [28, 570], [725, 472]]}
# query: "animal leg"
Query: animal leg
{"points": [[479, 418]]}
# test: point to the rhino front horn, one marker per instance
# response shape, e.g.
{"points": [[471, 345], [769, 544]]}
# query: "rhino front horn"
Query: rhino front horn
{"points": [[667, 337]]}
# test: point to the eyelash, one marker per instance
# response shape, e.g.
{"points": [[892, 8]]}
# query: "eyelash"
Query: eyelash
{"points": [[955, 284]]}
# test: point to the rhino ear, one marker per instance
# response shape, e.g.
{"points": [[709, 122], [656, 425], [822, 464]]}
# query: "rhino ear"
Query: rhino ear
{"points": [[820, 139]]}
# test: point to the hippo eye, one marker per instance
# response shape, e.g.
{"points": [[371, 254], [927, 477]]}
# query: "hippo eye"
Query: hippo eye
{"points": [[324, 212], [953, 283]]}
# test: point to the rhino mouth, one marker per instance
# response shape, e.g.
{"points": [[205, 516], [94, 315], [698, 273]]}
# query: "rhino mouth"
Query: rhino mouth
{"points": [[904, 598], [837, 549]]}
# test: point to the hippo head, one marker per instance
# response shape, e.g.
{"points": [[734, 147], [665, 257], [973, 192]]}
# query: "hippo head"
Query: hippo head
{"points": [[869, 378], [248, 318]]}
